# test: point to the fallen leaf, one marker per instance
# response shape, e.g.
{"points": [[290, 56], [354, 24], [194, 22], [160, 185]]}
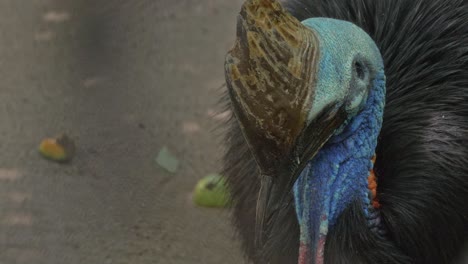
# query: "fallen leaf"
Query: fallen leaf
{"points": [[44, 35], [9, 174], [56, 16], [190, 127], [18, 197], [17, 219], [167, 161]]}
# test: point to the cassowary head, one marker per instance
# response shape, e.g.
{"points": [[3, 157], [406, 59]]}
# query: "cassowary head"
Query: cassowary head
{"points": [[314, 109], [309, 98]]}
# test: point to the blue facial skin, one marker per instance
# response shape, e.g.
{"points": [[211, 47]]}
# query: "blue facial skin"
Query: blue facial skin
{"points": [[337, 175]]}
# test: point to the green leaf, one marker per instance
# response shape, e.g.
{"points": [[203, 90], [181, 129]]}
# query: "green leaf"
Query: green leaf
{"points": [[166, 160]]}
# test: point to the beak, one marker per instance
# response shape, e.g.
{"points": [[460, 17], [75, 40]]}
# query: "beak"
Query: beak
{"points": [[271, 75]]}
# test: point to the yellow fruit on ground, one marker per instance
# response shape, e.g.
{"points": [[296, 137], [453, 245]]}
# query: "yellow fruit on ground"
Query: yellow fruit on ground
{"points": [[58, 149]]}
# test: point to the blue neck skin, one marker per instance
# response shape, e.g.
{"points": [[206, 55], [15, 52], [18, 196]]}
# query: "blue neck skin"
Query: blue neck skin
{"points": [[338, 175]]}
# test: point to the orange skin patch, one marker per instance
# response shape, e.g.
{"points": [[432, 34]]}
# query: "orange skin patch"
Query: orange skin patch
{"points": [[372, 185]]}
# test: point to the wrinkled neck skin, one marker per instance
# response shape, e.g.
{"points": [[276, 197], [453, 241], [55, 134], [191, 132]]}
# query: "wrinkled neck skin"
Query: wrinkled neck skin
{"points": [[337, 176]]}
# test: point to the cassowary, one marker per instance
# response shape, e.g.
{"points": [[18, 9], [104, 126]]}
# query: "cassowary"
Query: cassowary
{"points": [[349, 138]]}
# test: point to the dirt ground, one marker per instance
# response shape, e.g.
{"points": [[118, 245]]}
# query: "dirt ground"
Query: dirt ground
{"points": [[124, 79]]}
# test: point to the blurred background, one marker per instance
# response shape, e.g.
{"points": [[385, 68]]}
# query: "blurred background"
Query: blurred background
{"points": [[124, 80]]}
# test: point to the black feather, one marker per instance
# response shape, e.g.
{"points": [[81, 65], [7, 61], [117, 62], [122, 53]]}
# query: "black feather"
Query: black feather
{"points": [[422, 164], [351, 241]]}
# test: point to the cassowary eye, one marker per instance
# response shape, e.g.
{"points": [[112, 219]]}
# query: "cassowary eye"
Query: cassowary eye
{"points": [[359, 86], [361, 71]]}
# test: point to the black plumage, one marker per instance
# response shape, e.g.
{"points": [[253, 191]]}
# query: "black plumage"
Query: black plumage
{"points": [[422, 164]]}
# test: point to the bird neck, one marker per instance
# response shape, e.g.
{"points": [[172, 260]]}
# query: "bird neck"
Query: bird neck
{"points": [[337, 176]]}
